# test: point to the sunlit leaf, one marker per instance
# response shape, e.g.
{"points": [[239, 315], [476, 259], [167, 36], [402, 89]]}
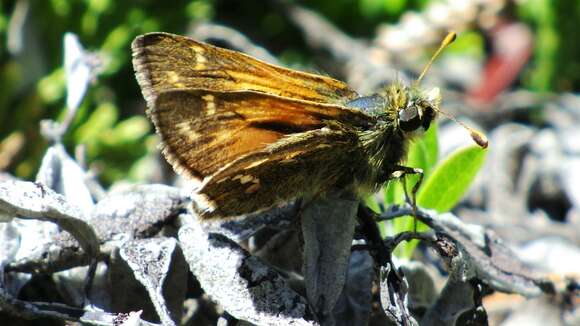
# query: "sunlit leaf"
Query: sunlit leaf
{"points": [[51, 88], [451, 179], [424, 152], [99, 123], [446, 186]]}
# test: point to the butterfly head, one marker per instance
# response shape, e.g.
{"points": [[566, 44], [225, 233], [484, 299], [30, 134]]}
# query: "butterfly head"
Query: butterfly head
{"points": [[415, 109], [411, 109]]}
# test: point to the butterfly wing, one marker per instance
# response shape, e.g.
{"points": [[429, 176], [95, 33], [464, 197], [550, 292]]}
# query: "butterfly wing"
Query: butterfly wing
{"points": [[308, 163], [165, 61], [251, 134], [203, 131]]}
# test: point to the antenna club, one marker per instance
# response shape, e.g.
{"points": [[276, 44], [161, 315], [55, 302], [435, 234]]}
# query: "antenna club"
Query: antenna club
{"points": [[479, 138], [450, 38]]}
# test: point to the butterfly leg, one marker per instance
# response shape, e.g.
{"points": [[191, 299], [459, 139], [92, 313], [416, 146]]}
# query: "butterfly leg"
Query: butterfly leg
{"points": [[400, 172]]}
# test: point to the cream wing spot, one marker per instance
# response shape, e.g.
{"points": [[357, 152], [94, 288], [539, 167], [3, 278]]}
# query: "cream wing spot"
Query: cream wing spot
{"points": [[174, 78], [187, 131], [254, 164], [237, 177], [197, 49], [253, 188], [223, 180], [200, 59], [203, 202], [209, 104], [246, 178]]}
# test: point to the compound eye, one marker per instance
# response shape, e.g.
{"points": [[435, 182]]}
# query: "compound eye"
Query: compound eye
{"points": [[409, 119], [428, 116]]}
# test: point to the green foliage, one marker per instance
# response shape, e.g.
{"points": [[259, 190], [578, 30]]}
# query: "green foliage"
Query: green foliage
{"points": [[451, 179], [444, 184], [377, 7], [110, 122], [469, 43], [556, 53]]}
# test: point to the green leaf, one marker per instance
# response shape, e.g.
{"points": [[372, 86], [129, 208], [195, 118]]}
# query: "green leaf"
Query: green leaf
{"points": [[393, 192], [51, 88], [443, 190], [469, 43], [371, 8], [115, 46], [451, 179], [395, 7], [432, 145], [200, 10], [424, 152], [371, 203], [130, 130], [98, 125]]}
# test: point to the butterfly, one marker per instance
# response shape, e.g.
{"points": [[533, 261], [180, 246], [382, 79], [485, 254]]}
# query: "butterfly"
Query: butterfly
{"points": [[252, 135]]}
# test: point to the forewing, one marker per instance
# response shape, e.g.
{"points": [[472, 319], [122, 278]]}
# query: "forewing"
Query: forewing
{"points": [[166, 61], [202, 131], [314, 161]]}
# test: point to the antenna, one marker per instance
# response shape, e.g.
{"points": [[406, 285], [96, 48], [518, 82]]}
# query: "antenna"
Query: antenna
{"points": [[451, 36], [477, 136]]}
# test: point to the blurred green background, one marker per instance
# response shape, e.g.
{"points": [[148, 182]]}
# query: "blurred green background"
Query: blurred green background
{"points": [[111, 121]]}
